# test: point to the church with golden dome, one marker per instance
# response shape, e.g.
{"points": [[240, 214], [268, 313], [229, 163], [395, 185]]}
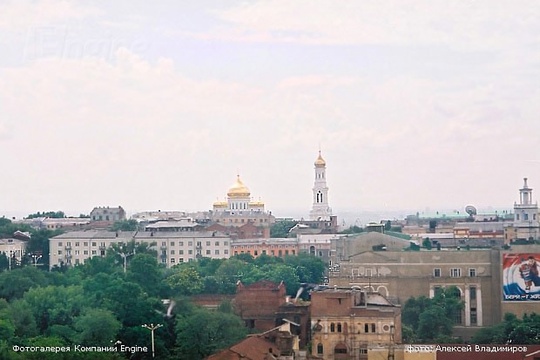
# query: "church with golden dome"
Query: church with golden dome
{"points": [[241, 209]]}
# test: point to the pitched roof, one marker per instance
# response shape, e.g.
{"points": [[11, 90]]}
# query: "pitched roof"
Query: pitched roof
{"points": [[251, 348]]}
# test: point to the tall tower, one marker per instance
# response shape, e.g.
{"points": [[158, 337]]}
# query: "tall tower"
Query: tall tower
{"points": [[320, 209], [526, 214]]}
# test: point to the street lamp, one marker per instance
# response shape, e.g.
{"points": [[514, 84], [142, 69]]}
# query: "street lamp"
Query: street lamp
{"points": [[152, 328], [36, 258], [124, 256]]}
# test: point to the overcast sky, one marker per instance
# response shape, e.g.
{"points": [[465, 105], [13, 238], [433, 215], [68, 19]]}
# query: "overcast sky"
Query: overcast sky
{"points": [[157, 105]]}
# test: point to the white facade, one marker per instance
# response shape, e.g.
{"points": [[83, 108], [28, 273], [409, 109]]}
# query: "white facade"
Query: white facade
{"points": [[175, 247], [320, 209], [14, 249]]}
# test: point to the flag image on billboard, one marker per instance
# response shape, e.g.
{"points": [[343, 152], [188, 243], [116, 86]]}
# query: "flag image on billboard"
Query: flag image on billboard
{"points": [[521, 279]]}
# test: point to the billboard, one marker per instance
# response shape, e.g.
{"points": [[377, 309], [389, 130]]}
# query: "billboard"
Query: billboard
{"points": [[521, 279]]}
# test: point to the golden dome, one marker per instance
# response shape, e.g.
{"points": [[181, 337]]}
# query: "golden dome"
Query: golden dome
{"points": [[238, 189], [320, 161], [220, 204]]}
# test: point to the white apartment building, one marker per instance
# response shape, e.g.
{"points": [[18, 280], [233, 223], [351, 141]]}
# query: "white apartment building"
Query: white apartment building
{"points": [[175, 247], [14, 249]]}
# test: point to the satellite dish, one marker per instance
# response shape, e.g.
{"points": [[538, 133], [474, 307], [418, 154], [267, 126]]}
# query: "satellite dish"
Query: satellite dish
{"points": [[471, 210]]}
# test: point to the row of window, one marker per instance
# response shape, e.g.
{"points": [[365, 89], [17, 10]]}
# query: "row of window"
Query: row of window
{"points": [[454, 272], [164, 243], [242, 220], [264, 252], [367, 328], [199, 243]]}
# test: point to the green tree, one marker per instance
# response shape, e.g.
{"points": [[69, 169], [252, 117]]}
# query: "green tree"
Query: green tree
{"points": [[432, 319], [55, 305], [427, 243], [185, 280], [97, 327], [280, 229], [204, 332], [310, 269], [144, 271], [49, 214], [13, 284]]}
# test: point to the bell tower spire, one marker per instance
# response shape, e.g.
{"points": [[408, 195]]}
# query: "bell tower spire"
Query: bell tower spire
{"points": [[320, 209]]}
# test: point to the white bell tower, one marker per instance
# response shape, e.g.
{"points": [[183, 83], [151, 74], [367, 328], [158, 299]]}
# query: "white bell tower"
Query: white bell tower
{"points": [[320, 209]]}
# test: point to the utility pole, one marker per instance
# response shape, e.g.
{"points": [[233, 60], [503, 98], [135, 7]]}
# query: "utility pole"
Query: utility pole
{"points": [[152, 328]]}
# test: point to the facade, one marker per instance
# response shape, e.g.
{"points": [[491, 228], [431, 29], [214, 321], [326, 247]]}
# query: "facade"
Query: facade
{"points": [[320, 210], [240, 209], [258, 303], [270, 246], [490, 281], [318, 245], [346, 321], [14, 249], [173, 247], [110, 214]]}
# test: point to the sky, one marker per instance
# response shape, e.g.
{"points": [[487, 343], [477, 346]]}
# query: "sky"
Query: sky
{"points": [[415, 105]]}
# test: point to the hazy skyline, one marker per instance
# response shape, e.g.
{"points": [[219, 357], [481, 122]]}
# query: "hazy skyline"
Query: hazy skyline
{"points": [[414, 104]]}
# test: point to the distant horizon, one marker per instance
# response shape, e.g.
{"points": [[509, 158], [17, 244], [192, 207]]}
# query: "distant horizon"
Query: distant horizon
{"points": [[351, 217]]}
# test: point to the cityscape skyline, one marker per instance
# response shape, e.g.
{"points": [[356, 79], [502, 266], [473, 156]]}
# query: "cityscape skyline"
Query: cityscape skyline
{"points": [[160, 106]]}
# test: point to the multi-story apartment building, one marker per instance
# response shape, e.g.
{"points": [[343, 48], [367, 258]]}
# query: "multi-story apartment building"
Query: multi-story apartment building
{"points": [[173, 247]]}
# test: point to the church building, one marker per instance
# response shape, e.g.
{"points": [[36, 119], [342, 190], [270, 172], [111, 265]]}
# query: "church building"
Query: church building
{"points": [[240, 210]]}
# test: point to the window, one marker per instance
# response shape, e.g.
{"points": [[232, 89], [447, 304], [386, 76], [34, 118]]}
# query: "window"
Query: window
{"points": [[366, 328], [94, 243], [190, 252], [474, 316], [86, 243], [332, 327], [217, 243], [216, 252], [320, 349], [69, 243], [172, 252], [472, 292], [437, 272], [181, 243], [339, 327], [472, 272], [190, 243], [77, 244], [225, 243], [208, 252], [208, 243], [163, 243], [226, 252], [94, 252], [181, 252], [455, 272], [172, 243], [76, 252], [59, 252], [60, 243], [85, 252], [181, 260], [173, 260], [373, 328]]}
